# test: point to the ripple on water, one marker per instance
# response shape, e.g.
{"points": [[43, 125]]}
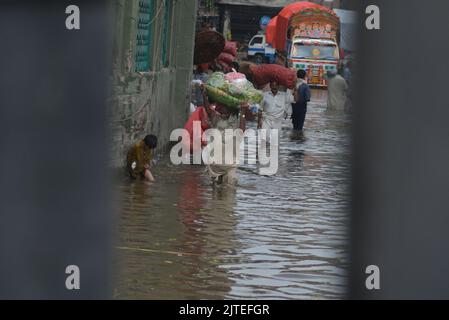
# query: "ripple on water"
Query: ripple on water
{"points": [[280, 237]]}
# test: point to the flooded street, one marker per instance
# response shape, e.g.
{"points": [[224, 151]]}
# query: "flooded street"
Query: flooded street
{"points": [[279, 237]]}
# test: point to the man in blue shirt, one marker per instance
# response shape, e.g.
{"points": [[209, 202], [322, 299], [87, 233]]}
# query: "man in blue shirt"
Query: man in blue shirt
{"points": [[299, 108]]}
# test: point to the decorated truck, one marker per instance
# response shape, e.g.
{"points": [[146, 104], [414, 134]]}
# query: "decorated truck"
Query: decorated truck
{"points": [[306, 36]]}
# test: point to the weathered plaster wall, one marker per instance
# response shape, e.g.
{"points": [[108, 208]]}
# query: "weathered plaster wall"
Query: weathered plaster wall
{"points": [[156, 101]]}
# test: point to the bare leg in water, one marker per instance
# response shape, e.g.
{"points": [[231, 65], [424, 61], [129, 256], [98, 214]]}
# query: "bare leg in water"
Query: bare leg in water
{"points": [[148, 175]]}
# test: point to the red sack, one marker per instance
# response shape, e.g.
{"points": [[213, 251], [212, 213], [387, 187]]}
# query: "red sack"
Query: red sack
{"points": [[200, 115], [266, 73], [231, 48], [226, 57], [203, 66], [226, 67]]}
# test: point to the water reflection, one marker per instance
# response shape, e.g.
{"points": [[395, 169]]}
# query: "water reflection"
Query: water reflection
{"points": [[280, 237]]}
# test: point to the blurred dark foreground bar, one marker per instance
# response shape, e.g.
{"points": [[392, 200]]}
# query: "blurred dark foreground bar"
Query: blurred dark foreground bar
{"points": [[401, 140], [54, 191]]}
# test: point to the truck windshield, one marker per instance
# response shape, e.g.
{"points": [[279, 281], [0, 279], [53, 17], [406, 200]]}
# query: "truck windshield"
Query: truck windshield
{"points": [[323, 52]]}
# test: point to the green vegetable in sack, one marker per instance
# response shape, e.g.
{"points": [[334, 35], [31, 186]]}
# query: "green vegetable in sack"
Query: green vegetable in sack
{"points": [[236, 92], [254, 96], [217, 80], [222, 97], [251, 94]]}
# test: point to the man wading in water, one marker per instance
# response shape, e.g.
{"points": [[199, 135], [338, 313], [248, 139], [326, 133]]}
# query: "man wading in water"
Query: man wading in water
{"points": [[222, 118], [274, 109], [299, 108]]}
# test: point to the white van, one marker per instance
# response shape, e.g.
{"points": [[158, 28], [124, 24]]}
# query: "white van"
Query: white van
{"points": [[260, 51]]}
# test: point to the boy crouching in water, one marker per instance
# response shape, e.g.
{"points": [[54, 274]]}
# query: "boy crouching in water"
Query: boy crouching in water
{"points": [[139, 157]]}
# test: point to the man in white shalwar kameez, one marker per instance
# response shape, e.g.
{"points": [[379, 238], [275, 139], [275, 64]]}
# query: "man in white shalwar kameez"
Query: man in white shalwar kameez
{"points": [[274, 108], [336, 92]]}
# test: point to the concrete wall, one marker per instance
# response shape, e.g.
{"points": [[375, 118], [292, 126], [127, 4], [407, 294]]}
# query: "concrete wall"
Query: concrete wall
{"points": [[156, 101]]}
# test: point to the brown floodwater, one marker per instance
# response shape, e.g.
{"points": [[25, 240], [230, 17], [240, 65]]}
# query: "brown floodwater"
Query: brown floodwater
{"points": [[278, 237]]}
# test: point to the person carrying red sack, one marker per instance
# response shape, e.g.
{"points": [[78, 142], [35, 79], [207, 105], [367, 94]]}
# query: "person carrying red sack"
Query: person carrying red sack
{"points": [[205, 116]]}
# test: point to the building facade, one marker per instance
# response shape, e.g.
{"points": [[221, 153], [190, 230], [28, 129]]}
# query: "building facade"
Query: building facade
{"points": [[208, 12], [153, 55]]}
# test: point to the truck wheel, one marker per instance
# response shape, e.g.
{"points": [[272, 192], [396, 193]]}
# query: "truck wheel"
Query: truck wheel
{"points": [[258, 59]]}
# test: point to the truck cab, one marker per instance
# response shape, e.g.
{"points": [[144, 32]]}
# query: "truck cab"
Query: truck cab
{"points": [[260, 51], [315, 56]]}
